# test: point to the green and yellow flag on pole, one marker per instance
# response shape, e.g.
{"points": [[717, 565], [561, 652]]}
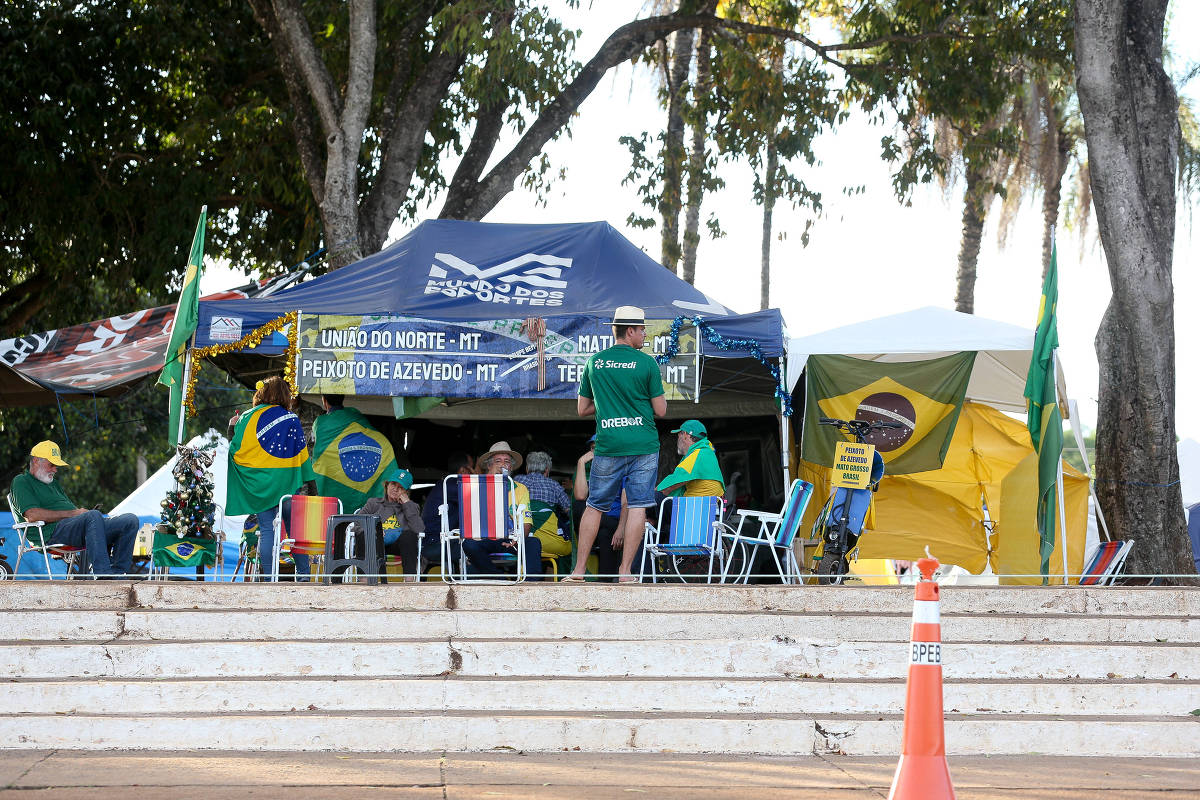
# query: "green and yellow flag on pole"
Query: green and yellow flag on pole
{"points": [[1045, 420], [924, 397], [187, 314]]}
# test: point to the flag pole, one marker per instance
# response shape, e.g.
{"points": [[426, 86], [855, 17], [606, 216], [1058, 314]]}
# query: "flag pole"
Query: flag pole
{"points": [[187, 376], [1062, 513]]}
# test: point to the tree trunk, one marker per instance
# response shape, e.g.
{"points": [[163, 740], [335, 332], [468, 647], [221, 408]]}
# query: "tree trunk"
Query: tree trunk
{"points": [[1053, 196], [697, 159], [974, 213], [764, 293], [671, 199], [1129, 108]]}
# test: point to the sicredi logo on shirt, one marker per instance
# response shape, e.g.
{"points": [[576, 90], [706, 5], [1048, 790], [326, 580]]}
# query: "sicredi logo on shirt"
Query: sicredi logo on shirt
{"points": [[621, 422], [610, 364]]}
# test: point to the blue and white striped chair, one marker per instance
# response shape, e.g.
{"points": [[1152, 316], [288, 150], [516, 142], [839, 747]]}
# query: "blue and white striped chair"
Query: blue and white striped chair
{"points": [[695, 529], [486, 511], [776, 532]]}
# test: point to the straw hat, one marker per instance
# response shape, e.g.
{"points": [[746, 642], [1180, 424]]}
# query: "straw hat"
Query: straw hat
{"points": [[497, 448]]}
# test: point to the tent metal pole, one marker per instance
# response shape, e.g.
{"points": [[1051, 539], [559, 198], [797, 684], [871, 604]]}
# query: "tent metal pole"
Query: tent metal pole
{"points": [[1073, 407], [783, 438]]}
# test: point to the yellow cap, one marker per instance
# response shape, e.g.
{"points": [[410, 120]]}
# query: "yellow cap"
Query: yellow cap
{"points": [[49, 451]]}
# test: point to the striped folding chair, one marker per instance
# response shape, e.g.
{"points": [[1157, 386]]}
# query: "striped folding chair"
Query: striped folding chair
{"points": [[776, 532], [695, 530], [30, 539], [304, 530], [1107, 563], [485, 512]]}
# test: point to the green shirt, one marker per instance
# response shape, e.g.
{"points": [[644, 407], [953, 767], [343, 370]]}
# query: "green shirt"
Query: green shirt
{"points": [[28, 492], [698, 474], [621, 382]]}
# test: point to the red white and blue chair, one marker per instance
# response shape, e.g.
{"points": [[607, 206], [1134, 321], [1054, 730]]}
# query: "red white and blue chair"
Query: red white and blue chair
{"points": [[485, 511], [1107, 564], [695, 529], [37, 543], [776, 532]]}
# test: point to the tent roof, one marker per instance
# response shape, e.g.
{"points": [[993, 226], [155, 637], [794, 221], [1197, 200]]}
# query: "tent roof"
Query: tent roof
{"points": [[998, 379], [590, 265]]}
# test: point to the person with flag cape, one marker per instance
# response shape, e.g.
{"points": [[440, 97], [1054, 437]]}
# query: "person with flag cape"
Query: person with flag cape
{"points": [[1045, 418], [350, 458], [187, 314], [698, 473], [268, 458]]}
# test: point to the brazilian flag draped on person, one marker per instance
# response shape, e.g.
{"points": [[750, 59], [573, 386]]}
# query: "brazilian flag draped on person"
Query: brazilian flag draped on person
{"points": [[925, 397], [1045, 419], [268, 458], [350, 457], [187, 314]]}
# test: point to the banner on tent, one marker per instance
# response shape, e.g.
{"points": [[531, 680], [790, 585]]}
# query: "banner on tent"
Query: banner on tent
{"points": [[393, 356]]}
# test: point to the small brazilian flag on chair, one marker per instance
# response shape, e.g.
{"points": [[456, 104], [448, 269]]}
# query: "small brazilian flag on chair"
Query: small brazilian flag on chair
{"points": [[171, 551], [924, 397]]}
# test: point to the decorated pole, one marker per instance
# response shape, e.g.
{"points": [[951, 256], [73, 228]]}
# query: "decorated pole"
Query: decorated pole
{"points": [[923, 773]]}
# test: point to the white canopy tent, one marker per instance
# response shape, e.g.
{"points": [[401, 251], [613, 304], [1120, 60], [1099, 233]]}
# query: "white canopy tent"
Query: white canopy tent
{"points": [[998, 379]]}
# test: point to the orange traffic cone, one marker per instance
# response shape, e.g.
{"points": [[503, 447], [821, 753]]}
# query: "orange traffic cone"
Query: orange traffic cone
{"points": [[923, 773]]}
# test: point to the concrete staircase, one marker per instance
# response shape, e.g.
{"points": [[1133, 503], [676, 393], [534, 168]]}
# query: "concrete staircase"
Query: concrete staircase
{"points": [[688, 669]]}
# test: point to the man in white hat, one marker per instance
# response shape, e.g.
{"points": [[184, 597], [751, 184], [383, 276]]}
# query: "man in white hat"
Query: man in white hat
{"points": [[500, 459], [39, 498], [623, 387]]}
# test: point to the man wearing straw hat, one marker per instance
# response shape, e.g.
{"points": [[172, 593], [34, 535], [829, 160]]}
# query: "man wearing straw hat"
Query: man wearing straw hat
{"points": [[623, 387]]}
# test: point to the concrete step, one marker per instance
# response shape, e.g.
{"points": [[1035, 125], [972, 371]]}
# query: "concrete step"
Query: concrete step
{"points": [[500, 695], [546, 732], [1090, 601], [106, 625], [618, 659]]}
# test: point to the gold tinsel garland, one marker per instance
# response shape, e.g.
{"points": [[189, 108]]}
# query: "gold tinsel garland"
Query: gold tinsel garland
{"points": [[247, 342]]}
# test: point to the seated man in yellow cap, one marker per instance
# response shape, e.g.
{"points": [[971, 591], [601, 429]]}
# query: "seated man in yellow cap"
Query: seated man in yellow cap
{"points": [[39, 498], [698, 473]]}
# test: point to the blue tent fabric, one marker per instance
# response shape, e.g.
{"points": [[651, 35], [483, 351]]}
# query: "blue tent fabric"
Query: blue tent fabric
{"points": [[455, 271], [1193, 522]]}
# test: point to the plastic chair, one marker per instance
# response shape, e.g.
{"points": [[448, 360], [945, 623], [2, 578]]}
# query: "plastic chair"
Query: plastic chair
{"points": [[776, 532], [696, 530], [1107, 564], [485, 512], [27, 543], [359, 539], [305, 529]]}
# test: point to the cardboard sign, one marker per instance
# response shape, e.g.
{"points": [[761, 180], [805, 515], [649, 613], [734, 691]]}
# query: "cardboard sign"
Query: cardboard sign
{"points": [[852, 465]]}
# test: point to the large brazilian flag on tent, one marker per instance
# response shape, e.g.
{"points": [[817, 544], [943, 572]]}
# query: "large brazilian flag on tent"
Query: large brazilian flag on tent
{"points": [[925, 397], [350, 457], [268, 458]]}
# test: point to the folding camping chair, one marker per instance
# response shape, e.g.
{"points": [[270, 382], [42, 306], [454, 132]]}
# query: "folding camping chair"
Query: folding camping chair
{"points": [[696, 530], [485, 512], [776, 532], [28, 542], [308, 517], [1107, 564], [248, 560]]}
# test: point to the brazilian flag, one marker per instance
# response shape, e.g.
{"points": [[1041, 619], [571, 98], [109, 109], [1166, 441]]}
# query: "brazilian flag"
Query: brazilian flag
{"points": [[1045, 419], [268, 458], [170, 550], [350, 457], [925, 397]]}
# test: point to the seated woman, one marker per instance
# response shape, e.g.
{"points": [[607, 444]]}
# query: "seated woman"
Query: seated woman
{"points": [[400, 519]]}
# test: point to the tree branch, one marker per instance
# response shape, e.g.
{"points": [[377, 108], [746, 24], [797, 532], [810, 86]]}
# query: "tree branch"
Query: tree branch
{"points": [[304, 128], [360, 83], [294, 28]]}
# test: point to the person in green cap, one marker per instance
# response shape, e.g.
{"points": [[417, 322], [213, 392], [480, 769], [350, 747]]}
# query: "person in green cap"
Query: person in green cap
{"points": [[400, 519], [698, 473]]}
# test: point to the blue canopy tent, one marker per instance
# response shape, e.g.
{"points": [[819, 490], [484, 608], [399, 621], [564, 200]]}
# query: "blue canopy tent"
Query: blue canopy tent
{"points": [[455, 309]]}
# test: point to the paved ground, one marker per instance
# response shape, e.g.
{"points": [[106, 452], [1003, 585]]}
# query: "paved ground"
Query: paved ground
{"points": [[193, 775]]}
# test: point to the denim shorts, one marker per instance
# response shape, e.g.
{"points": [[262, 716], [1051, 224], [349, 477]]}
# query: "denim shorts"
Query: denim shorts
{"points": [[637, 473]]}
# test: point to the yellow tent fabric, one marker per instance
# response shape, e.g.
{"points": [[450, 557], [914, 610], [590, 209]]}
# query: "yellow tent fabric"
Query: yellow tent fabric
{"points": [[946, 509]]}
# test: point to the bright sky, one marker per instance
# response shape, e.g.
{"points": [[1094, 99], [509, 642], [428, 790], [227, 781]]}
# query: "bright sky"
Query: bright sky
{"points": [[868, 256]]}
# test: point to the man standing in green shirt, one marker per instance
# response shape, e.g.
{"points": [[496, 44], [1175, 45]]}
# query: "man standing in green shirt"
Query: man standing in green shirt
{"points": [[39, 498], [623, 387]]}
